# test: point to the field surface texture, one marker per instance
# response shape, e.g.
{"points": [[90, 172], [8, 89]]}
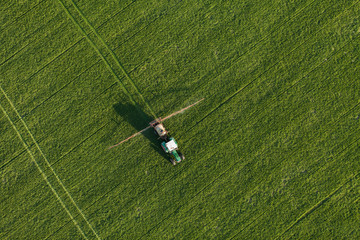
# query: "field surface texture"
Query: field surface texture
{"points": [[272, 152]]}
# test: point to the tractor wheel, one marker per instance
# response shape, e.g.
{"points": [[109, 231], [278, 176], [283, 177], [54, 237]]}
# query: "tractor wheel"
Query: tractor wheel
{"points": [[182, 157], [173, 161]]}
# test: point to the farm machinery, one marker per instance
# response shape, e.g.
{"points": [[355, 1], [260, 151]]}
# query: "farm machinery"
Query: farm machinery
{"points": [[168, 144]]}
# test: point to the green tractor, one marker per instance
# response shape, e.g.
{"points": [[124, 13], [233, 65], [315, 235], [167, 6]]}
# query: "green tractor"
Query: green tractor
{"points": [[169, 145]]}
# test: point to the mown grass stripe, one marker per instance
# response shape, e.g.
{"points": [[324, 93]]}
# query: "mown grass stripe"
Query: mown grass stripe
{"points": [[48, 163], [41, 171]]}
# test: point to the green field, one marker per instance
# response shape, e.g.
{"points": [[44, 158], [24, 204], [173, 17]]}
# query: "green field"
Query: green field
{"points": [[271, 153]]}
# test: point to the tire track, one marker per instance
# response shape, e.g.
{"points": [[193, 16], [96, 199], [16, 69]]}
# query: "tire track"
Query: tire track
{"points": [[276, 29], [115, 58], [107, 64], [107, 20], [52, 164], [14, 54], [42, 173], [253, 47], [49, 165], [117, 13], [113, 50]]}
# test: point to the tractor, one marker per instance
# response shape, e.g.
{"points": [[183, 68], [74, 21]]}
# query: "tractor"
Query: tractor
{"points": [[168, 144]]}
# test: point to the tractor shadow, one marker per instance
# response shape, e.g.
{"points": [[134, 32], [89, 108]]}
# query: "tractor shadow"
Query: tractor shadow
{"points": [[139, 120]]}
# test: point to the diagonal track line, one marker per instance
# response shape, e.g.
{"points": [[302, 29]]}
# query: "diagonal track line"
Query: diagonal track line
{"points": [[317, 66], [107, 20], [116, 186], [42, 172], [103, 56], [52, 164], [49, 165], [107, 64], [90, 68], [115, 58]]}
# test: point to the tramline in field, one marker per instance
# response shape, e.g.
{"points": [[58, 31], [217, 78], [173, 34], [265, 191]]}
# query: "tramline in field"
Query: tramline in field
{"points": [[168, 144]]}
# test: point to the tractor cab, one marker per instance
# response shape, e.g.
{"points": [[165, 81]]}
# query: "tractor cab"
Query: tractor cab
{"points": [[170, 145]]}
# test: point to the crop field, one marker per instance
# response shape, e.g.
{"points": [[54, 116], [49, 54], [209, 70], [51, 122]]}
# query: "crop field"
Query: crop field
{"points": [[272, 152]]}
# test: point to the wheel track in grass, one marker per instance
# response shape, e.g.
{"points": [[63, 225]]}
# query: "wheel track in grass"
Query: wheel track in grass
{"points": [[260, 215], [119, 184], [174, 6], [268, 209], [54, 59], [26, 114], [7, 7], [44, 25], [275, 64], [86, 208], [14, 54], [42, 173], [114, 57], [48, 164], [252, 47], [96, 131], [80, 39], [229, 202], [277, 97], [52, 95], [117, 47], [128, 40], [78, 214]]}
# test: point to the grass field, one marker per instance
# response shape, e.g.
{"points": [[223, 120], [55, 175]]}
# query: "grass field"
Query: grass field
{"points": [[271, 153]]}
